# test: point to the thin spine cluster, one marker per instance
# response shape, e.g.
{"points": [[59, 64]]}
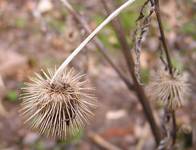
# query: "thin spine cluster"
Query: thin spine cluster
{"points": [[57, 110]]}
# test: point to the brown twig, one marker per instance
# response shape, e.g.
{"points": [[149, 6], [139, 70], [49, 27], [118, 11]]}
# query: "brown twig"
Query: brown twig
{"points": [[3, 111], [174, 127], [163, 39], [170, 67], [98, 43], [138, 88], [102, 142]]}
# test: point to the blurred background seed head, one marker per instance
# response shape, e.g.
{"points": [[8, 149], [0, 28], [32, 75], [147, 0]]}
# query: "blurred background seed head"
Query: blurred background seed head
{"points": [[171, 91]]}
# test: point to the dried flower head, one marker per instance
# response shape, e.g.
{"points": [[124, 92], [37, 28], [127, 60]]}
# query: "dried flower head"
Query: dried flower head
{"points": [[57, 109], [170, 90]]}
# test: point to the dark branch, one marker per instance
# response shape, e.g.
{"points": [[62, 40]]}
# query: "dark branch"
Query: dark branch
{"points": [[165, 48], [130, 63], [163, 39]]}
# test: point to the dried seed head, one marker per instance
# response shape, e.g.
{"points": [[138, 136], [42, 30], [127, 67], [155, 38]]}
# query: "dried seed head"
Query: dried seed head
{"points": [[171, 91], [60, 109]]}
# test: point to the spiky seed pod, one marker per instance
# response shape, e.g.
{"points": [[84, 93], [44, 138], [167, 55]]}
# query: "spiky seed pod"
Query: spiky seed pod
{"points": [[58, 110], [171, 91]]}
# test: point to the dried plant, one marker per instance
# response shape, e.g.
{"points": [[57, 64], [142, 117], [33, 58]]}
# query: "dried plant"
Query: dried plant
{"points": [[170, 90], [142, 28], [56, 104], [57, 109]]}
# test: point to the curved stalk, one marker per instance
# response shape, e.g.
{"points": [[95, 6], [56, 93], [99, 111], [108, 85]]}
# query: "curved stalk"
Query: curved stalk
{"points": [[90, 37], [100, 47]]}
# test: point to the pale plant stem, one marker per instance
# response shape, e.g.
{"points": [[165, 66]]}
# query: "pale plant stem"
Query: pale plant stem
{"points": [[100, 46], [67, 4], [90, 37]]}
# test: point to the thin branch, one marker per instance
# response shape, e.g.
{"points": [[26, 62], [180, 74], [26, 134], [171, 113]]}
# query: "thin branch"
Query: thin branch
{"points": [[174, 127], [102, 142], [163, 39], [165, 48], [130, 63], [97, 42], [90, 37]]}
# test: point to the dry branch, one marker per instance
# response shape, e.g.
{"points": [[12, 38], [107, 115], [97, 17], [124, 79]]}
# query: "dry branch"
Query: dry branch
{"points": [[130, 63], [101, 142]]}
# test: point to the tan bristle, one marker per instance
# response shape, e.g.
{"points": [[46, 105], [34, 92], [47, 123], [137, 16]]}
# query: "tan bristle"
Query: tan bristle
{"points": [[60, 109], [171, 91]]}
